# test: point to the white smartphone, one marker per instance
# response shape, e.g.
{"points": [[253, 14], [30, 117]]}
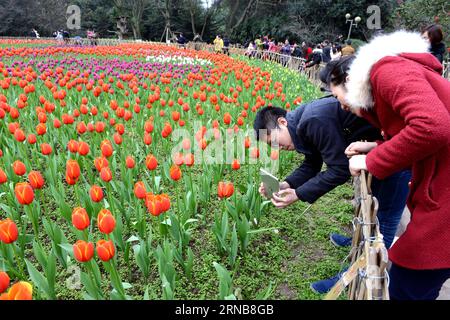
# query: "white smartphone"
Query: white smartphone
{"points": [[271, 183]]}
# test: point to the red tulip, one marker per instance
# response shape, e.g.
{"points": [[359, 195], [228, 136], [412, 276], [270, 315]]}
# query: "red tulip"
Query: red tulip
{"points": [[189, 160], [175, 172], [24, 193], [96, 193], [151, 162], [139, 190], [70, 181], [186, 144], [178, 159], [80, 218], [31, 139], [36, 180], [83, 148], [254, 153], [105, 250], [83, 251], [19, 135], [106, 221], [8, 231], [225, 190], [235, 165], [106, 148], [274, 155], [147, 138], [106, 174], [72, 146], [19, 168], [73, 169], [46, 149], [3, 177], [4, 281], [130, 163], [227, 118]]}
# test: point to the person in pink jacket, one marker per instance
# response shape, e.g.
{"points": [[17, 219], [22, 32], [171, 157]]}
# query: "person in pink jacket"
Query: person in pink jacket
{"points": [[394, 83]]}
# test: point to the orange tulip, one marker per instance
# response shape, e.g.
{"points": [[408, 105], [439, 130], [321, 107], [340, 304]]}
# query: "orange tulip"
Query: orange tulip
{"points": [[19, 291], [80, 218], [83, 251], [157, 204], [175, 172], [8, 231], [96, 193], [100, 163], [36, 180], [19, 168], [105, 250], [4, 281], [225, 190], [106, 221], [24, 193], [106, 148], [151, 162], [41, 129]]}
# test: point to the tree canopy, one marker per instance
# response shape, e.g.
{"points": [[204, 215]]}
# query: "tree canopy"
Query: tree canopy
{"points": [[240, 20]]}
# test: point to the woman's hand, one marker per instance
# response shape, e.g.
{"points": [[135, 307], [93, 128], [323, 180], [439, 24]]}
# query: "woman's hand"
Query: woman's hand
{"points": [[356, 164], [356, 148], [284, 198]]}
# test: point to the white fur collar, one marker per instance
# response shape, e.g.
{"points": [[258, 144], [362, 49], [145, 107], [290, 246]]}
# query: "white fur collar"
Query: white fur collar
{"points": [[359, 91]]}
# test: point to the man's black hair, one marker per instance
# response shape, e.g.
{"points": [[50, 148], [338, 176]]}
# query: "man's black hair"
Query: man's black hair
{"points": [[267, 119]]}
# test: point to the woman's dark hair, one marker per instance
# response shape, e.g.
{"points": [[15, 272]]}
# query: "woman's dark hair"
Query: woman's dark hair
{"points": [[267, 119], [336, 71], [434, 33]]}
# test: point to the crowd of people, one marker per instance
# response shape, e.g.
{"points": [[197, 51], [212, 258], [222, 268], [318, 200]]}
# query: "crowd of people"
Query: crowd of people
{"points": [[313, 55], [391, 93]]}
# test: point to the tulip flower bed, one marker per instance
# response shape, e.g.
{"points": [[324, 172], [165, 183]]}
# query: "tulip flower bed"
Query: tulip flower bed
{"points": [[109, 188]]}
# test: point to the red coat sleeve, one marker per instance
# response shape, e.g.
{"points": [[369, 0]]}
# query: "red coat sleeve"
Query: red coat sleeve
{"points": [[403, 87]]}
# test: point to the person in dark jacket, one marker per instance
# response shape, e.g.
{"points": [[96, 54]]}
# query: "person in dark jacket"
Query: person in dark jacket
{"points": [[321, 131], [315, 58], [326, 56], [433, 34]]}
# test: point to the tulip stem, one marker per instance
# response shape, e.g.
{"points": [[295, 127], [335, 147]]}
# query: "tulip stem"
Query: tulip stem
{"points": [[115, 278], [19, 263], [30, 215], [90, 272]]}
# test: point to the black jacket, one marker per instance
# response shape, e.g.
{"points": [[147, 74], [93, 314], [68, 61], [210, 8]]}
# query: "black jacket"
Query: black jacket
{"points": [[321, 130], [438, 50], [326, 56]]}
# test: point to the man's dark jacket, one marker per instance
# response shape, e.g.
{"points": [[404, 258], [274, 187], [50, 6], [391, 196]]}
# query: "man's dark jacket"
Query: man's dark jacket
{"points": [[321, 131]]}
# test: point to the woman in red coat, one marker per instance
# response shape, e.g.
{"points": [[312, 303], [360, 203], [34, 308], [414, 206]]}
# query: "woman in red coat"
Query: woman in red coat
{"points": [[396, 84]]}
